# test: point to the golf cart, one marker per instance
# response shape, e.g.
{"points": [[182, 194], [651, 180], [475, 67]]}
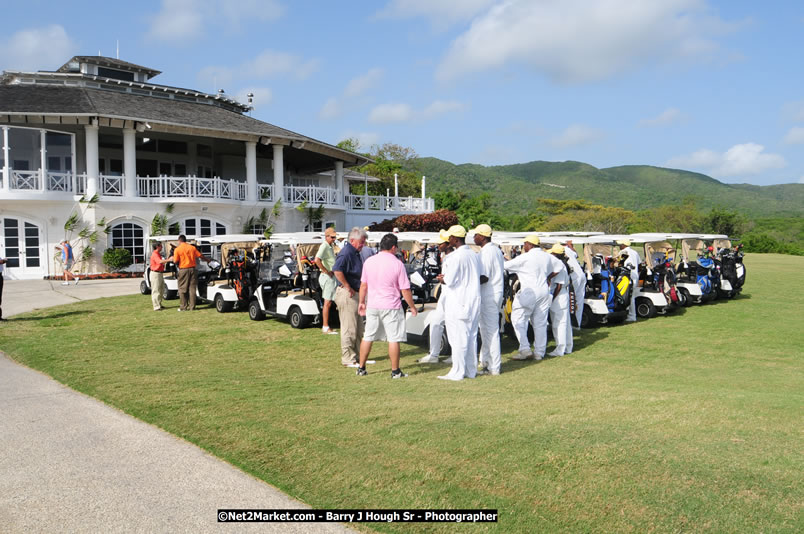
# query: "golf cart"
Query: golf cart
{"points": [[696, 267], [232, 283], [730, 263], [608, 284], [652, 293], [286, 288]]}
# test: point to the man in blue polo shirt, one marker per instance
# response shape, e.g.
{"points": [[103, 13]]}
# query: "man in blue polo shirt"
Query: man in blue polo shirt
{"points": [[348, 269]]}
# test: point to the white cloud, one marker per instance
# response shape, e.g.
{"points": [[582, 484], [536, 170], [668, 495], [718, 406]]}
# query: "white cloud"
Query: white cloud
{"points": [[746, 159], [270, 63], [37, 48], [366, 139], [183, 21], [391, 113], [794, 111], [336, 106], [575, 41], [267, 64], [439, 107], [361, 84], [441, 13], [400, 112], [666, 117], [795, 136], [331, 109], [262, 96], [177, 21], [576, 135]]}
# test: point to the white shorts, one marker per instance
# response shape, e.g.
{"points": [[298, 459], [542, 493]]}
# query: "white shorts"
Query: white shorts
{"points": [[388, 325]]}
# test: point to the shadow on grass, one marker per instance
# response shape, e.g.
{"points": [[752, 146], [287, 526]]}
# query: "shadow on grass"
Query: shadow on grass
{"points": [[59, 315]]}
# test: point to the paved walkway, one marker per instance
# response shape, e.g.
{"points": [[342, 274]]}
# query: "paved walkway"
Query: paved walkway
{"points": [[69, 463]]}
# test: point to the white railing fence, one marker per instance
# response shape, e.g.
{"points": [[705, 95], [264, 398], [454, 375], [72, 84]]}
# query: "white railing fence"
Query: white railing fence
{"points": [[311, 194], [190, 187], [386, 203], [24, 180]]}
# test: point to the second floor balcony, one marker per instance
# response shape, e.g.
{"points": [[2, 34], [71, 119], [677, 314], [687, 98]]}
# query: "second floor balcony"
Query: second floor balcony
{"points": [[54, 185]]}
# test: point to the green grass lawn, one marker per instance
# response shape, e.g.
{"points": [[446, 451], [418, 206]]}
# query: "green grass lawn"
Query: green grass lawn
{"points": [[691, 422]]}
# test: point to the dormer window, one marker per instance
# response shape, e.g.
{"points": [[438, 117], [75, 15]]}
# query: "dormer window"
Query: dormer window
{"points": [[116, 74]]}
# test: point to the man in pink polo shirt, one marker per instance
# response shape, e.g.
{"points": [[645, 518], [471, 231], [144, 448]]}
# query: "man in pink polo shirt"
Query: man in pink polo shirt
{"points": [[383, 279]]}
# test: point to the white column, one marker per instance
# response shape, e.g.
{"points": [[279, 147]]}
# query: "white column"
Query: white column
{"points": [[279, 173], [422, 186], [42, 159], [396, 185], [92, 159], [130, 162], [251, 171], [6, 174], [339, 181]]}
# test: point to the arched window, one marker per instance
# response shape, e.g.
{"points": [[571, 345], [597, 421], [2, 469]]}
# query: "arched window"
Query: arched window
{"points": [[130, 236]]}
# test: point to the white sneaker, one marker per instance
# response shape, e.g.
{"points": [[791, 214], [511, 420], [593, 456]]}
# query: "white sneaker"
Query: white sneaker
{"points": [[448, 361], [65, 283], [428, 359], [445, 377], [555, 354], [77, 280], [523, 355]]}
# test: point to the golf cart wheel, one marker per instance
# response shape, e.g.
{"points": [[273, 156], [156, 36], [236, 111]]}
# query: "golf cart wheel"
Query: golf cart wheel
{"points": [[645, 308], [221, 305], [687, 297], [725, 294], [682, 299], [587, 318], [255, 313], [144, 289], [296, 318], [167, 294]]}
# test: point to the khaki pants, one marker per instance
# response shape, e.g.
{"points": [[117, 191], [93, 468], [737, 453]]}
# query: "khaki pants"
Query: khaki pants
{"points": [[157, 280], [351, 325], [188, 281]]}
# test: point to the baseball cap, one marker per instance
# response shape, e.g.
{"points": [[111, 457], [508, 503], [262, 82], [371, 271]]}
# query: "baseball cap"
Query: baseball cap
{"points": [[533, 239], [456, 231], [483, 229]]}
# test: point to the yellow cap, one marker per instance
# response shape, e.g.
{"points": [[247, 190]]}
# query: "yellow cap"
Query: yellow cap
{"points": [[483, 229], [443, 236], [625, 242], [331, 231], [556, 249], [533, 239], [456, 231]]}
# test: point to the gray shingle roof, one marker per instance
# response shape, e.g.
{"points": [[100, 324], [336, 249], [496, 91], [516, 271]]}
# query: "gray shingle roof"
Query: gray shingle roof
{"points": [[41, 99]]}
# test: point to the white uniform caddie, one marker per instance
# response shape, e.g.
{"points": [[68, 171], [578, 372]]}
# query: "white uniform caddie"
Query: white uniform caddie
{"points": [[578, 282], [491, 296], [461, 294], [560, 312], [632, 260], [532, 302]]}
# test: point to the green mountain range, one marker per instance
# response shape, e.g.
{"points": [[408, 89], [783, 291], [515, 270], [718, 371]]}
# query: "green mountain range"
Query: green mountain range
{"points": [[516, 188]]}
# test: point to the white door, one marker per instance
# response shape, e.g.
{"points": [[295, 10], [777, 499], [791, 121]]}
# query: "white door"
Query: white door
{"points": [[23, 248]]}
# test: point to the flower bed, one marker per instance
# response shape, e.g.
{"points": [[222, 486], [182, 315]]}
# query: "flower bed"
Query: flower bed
{"points": [[98, 276]]}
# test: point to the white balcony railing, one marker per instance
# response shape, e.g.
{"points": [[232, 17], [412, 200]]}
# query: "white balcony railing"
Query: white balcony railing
{"points": [[60, 181], [24, 180], [265, 192], [190, 187], [311, 194], [386, 203], [112, 186]]}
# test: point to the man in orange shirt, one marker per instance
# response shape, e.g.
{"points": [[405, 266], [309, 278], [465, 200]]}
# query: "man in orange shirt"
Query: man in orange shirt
{"points": [[185, 256], [156, 276]]}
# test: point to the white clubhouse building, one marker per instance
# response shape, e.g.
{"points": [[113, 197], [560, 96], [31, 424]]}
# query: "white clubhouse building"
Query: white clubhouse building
{"points": [[97, 140]]}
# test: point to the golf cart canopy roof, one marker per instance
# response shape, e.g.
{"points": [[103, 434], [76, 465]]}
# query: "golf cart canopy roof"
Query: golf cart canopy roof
{"points": [[232, 238]]}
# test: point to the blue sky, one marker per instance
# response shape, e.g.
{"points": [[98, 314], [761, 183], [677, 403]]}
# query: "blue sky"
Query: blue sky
{"points": [[708, 86]]}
